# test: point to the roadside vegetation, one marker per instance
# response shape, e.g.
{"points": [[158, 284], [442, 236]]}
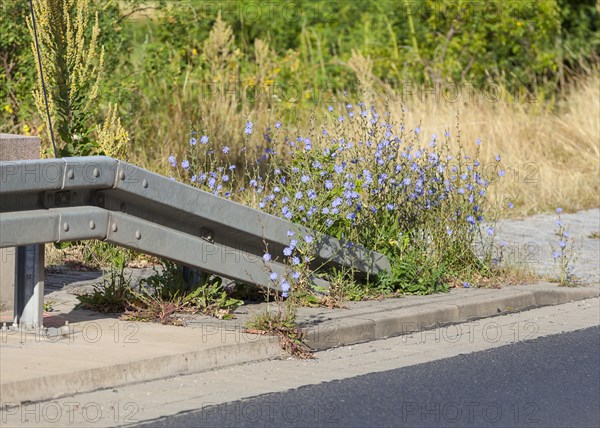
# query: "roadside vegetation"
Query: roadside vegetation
{"points": [[529, 91], [406, 127]]}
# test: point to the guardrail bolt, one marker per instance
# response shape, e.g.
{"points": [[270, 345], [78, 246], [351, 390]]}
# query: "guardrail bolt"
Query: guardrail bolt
{"points": [[114, 227], [66, 226], [96, 173], [71, 174], [122, 175], [207, 235], [145, 183], [92, 224], [138, 235]]}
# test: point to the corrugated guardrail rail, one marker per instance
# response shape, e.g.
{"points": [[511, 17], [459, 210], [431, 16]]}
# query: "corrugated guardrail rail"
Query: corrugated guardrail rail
{"points": [[72, 199]]}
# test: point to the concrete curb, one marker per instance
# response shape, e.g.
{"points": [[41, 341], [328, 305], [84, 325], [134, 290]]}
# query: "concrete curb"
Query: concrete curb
{"points": [[381, 325], [330, 329]]}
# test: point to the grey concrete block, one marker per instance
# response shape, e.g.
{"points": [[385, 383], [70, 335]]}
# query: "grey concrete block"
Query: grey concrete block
{"points": [[19, 147]]}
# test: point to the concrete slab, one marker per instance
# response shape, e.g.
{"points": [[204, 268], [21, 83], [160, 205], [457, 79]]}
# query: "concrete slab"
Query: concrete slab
{"points": [[107, 353]]}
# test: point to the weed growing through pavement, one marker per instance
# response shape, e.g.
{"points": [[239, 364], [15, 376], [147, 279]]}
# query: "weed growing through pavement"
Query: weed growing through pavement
{"points": [[279, 319], [279, 316], [49, 306], [565, 254], [159, 297], [167, 293], [113, 294]]}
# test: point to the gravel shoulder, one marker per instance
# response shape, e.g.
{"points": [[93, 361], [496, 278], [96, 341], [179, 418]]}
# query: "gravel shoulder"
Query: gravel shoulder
{"points": [[528, 242]]}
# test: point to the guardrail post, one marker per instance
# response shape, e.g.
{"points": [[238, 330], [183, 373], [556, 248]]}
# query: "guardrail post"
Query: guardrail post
{"points": [[22, 268]]}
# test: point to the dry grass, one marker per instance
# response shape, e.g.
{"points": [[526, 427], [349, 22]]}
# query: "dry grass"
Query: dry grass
{"points": [[550, 152], [514, 274], [552, 158]]}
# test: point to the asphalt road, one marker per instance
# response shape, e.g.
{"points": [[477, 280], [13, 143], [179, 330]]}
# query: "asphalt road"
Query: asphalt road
{"points": [[547, 382]]}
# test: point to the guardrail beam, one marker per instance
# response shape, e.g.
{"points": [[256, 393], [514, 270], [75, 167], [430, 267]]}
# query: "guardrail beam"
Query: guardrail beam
{"points": [[70, 199]]}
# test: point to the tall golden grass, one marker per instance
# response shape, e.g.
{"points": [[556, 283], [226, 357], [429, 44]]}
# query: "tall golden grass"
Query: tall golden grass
{"points": [[551, 157]]}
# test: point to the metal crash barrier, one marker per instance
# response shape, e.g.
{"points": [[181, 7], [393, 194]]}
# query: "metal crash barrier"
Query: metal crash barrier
{"points": [[73, 199]]}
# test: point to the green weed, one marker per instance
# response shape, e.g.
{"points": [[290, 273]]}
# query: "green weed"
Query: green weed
{"points": [[161, 296], [565, 254], [281, 322], [113, 295]]}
